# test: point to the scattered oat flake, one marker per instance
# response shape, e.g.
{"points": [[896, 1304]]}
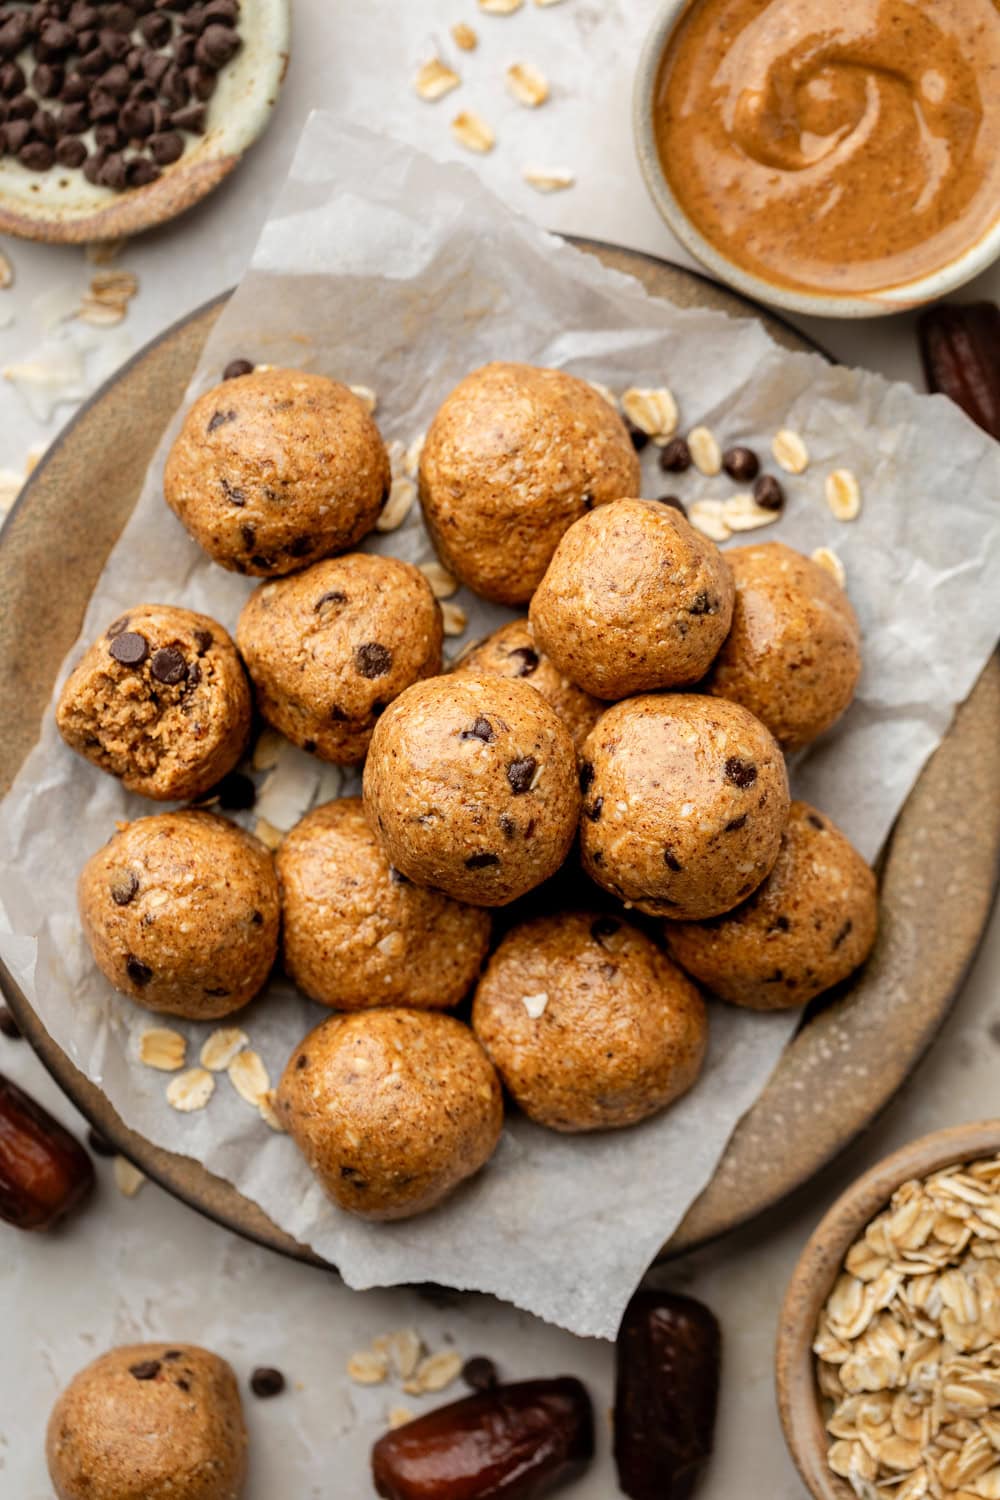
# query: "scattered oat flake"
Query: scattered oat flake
{"points": [[706, 455], [366, 396], [103, 252], [549, 179], [527, 84], [249, 1077], [267, 750], [270, 836], [34, 456], [471, 131], [412, 456], [653, 410], [219, 1049], [191, 1090], [606, 392], [790, 451], [404, 1348], [709, 517], [535, 1004], [828, 559], [500, 7], [548, 2], [268, 1113], [162, 1048], [399, 1416], [435, 79], [101, 314], [434, 1373], [464, 37], [6, 271], [128, 1179], [11, 485], [113, 286], [443, 585], [843, 494], [398, 506], [365, 1367], [742, 513], [454, 616]]}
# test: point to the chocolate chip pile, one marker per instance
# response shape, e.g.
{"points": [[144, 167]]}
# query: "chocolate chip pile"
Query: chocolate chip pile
{"points": [[109, 88]]}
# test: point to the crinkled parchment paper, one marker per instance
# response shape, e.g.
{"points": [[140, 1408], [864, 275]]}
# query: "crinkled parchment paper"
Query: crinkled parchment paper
{"points": [[382, 267]]}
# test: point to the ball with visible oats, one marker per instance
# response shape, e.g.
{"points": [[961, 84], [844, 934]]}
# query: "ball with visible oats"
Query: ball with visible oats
{"points": [[275, 470], [511, 652], [589, 1025], [149, 1420], [161, 701], [633, 600], [793, 655], [685, 802], [329, 648], [356, 933], [471, 784], [806, 927], [181, 913], [392, 1109], [513, 457]]}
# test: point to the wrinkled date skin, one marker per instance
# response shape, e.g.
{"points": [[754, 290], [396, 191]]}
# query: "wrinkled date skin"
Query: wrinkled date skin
{"points": [[666, 1393], [44, 1172], [517, 1442], [960, 347]]}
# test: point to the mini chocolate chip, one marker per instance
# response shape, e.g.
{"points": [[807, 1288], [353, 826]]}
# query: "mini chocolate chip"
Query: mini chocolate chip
{"points": [[674, 503], [74, 119], [249, 534], [675, 457], [137, 971], [168, 665], [183, 1385], [141, 172], [236, 368], [638, 437], [115, 80], [16, 134], [107, 135], [136, 118], [266, 1382], [203, 640], [507, 825], [192, 118], [8, 1025], [481, 861], [815, 821], [604, 927], [302, 1061], [71, 152], [597, 857], [37, 156], [338, 715], [116, 627], [99, 1145], [129, 648], [595, 809], [47, 80], [736, 823], [216, 45], [219, 419], [769, 493], [166, 146], [741, 464], [309, 746], [114, 173], [300, 547], [156, 29], [124, 887], [780, 924], [46, 126], [844, 932], [372, 660], [481, 729], [528, 660], [520, 774], [12, 79], [201, 81], [671, 861], [586, 776], [236, 792], [701, 604], [587, 500], [94, 166], [257, 919], [742, 773], [480, 1373], [193, 675], [333, 596], [147, 1369]]}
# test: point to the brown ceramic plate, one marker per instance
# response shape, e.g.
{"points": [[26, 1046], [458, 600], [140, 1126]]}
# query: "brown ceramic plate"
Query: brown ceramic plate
{"points": [[62, 207], [843, 1066]]}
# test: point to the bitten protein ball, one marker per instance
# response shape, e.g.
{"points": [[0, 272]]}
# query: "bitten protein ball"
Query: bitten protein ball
{"points": [[793, 655], [328, 649], [589, 1025], [392, 1109], [149, 1420], [634, 599], [511, 652], [356, 933], [181, 913], [685, 802], [514, 456], [809, 925], [471, 784], [161, 701], [275, 470]]}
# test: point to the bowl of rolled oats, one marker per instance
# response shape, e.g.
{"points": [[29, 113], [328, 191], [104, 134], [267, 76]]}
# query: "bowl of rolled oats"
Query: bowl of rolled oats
{"points": [[888, 1353]]}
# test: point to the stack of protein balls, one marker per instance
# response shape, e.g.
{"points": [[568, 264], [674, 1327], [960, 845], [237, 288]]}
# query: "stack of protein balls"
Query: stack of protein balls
{"points": [[631, 729]]}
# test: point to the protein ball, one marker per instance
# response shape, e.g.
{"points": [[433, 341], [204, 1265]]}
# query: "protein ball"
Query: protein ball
{"points": [[513, 457], [471, 783], [511, 652], [329, 648], [392, 1109], [793, 655], [356, 933], [807, 927], [634, 599], [589, 1025], [149, 1419], [275, 470], [181, 913], [685, 802], [161, 701]]}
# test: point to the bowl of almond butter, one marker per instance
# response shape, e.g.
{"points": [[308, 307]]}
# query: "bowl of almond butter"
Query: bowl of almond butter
{"points": [[888, 1352]]}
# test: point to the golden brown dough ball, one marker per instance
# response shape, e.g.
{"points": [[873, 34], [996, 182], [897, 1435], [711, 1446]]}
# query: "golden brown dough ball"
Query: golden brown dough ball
{"points": [[147, 1422], [513, 457], [392, 1109], [511, 652], [275, 470], [181, 913], [356, 933], [805, 928], [590, 1026], [793, 655]]}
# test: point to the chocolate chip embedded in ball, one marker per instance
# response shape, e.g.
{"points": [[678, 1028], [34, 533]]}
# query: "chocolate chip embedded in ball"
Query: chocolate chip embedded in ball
{"points": [[511, 652]]}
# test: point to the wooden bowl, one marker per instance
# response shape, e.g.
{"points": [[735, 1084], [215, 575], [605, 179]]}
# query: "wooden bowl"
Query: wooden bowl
{"points": [[799, 1400]]}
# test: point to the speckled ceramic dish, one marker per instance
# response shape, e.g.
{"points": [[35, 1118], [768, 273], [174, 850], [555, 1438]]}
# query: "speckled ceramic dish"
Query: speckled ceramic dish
{"points": [[841, 1068], [62, 207], [817, 1270]]}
